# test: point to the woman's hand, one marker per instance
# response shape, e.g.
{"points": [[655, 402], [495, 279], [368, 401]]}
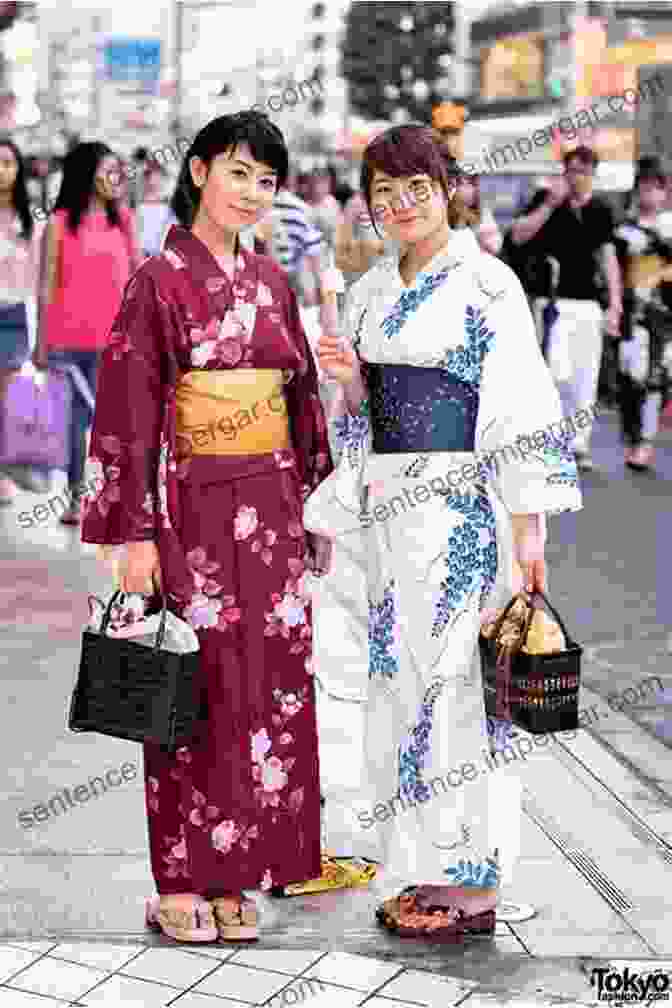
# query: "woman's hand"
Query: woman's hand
{"points": [[336, 359], [528, 544], [140, 569]]}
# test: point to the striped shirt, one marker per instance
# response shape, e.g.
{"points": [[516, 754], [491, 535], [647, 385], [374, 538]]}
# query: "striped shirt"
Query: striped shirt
{"points": [[296, 236]]}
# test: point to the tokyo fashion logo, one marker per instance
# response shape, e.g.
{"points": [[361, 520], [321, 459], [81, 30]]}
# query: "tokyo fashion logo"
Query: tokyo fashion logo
{"points": [[620, 986]]}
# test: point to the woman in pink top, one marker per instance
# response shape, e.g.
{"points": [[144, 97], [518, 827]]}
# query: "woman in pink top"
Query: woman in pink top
{"points": [[90, 253]]}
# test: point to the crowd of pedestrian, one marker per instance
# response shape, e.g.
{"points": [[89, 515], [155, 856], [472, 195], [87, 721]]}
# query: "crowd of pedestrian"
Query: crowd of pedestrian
{"points": [[443, 338]]}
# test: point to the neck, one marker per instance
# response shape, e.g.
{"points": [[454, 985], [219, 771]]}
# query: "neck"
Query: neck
{"points": [[96, 204], [6, 199], [419, 253], [218, 241]]}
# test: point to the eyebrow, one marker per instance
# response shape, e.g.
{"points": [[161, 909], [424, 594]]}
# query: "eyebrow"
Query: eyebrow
{"points": [[247, 164]]}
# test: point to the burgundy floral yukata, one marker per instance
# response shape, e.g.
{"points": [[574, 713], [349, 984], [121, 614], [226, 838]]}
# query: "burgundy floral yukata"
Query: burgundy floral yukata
{"points": [[238, 807]]}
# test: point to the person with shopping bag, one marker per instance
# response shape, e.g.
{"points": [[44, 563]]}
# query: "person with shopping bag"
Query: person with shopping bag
{"points": [[19, 269], [89, 252], [442, 376], [208, 435]]}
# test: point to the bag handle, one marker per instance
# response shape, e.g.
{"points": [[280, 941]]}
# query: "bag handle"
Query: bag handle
{"points": [[162, 624], [540, 595], [500, 619]]}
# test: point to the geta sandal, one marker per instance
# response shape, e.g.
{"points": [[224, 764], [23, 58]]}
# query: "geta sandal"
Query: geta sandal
{"points": [[237, 920], [195, 925]]}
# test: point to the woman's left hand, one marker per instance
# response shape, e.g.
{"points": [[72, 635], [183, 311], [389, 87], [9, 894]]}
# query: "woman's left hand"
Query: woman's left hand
{"points": [[319, 551], [528, 544]]}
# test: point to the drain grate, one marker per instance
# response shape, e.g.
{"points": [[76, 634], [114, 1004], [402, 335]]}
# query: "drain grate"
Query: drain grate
{"points": [[582, 861]]}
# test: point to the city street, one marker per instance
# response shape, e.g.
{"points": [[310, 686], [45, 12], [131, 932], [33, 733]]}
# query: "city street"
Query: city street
{"points": [[596, 835]]}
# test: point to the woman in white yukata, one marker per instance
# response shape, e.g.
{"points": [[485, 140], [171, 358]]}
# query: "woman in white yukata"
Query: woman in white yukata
{"points": [[454, 451]]}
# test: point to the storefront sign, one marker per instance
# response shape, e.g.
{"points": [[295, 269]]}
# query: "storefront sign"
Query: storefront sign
{"points": [[513, 68]]}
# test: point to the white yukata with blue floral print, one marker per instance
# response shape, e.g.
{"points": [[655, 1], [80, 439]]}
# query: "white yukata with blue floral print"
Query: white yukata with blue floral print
{"points": [[428, 477]]}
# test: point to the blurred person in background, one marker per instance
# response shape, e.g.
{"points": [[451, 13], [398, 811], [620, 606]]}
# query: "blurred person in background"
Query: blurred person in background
{"points": [[207, 322], [485, 226], [576, 228], [153, 212], [19, 275], [644, 249], [339, 187], [89, 252], [448, 129], [325, 207], [360, 242]]}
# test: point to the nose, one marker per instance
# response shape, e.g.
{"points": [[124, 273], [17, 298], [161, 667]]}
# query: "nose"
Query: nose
{"points": [[404, 201]]}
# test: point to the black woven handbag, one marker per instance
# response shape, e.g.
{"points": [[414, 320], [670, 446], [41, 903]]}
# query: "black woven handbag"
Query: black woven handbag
{"points": [[134, 692], [537, 692]]}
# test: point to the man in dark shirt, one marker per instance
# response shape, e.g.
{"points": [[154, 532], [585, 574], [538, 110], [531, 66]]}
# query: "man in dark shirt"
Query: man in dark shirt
{"points": [[574, 227]]}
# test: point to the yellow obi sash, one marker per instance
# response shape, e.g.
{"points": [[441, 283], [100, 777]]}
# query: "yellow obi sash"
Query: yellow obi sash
{"points": [[237, 412]]}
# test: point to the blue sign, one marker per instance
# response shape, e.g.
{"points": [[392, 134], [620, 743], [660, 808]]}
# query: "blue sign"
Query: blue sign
{"points": [[128, 60]]}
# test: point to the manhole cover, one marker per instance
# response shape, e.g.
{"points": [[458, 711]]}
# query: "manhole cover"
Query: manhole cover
{"points": [[515, 913]]}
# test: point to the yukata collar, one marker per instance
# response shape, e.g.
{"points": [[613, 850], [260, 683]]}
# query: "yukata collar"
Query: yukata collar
{"points": [[460, 248], [184, 243]]}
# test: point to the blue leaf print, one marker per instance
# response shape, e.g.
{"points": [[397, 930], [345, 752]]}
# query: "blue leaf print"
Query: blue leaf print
{"points": [[471, 557], [413, 756], [410, 301], [466, 362], [383, 660]]}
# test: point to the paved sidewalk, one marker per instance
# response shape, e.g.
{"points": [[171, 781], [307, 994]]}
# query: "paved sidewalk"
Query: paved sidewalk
{"points": [[595, 835]]}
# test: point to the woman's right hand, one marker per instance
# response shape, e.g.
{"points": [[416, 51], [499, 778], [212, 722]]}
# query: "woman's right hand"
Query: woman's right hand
{"points": [[140, 569], [336, 359]]}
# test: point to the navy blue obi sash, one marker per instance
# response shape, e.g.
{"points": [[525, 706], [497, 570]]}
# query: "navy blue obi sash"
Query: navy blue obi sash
{"points": [[420, 409]]}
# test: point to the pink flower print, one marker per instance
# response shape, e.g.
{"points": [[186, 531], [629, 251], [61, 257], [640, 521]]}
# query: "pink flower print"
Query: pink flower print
{"points": [[267, 557], [266, 882], [152, 799], [260, 743], [296, 566], [250, 834], [202, 613], [214, 284], [255, 546], [285, 739], [264, 296], [270, 774], [308, 665], [245, 522], [174, 259], [197, 818], [201, 569], [229, 614], [229, 352], [291, 611], [270, 536], [228, 328], [284, 459], [183, 754], [224, 836], [290, 705], [179, 851]]}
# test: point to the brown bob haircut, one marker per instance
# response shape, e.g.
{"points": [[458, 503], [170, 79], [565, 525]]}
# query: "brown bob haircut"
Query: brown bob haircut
{"points": [[412, 150]]}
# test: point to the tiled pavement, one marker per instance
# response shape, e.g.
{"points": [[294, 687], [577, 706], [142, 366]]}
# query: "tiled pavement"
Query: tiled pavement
{"points": [[99, 861]]}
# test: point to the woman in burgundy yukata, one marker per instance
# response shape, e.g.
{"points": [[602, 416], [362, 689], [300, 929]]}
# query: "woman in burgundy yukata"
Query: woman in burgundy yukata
{"points": [[208, 436]]}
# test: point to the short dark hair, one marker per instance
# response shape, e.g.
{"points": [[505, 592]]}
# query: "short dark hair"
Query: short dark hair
{"points": [[651, 168], [582, 153], [227, 132], [406, 150]]}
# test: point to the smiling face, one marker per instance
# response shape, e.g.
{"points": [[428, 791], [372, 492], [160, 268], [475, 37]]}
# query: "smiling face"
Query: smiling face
{"points": [[652, 194], [410, 208], [236, 190], [109, 181]]}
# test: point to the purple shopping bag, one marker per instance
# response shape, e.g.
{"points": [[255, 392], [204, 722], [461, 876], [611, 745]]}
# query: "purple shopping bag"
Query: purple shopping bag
{"points": [[35, 420]]}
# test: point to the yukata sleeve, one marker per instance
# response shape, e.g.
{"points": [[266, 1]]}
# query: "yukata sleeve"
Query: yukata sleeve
{"points": [[121, 493], [523, 441], [306, 415]]}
